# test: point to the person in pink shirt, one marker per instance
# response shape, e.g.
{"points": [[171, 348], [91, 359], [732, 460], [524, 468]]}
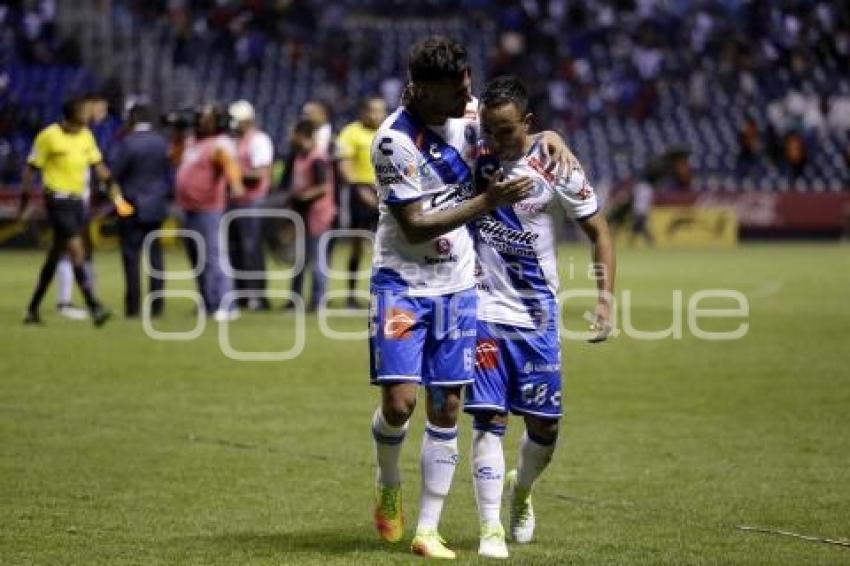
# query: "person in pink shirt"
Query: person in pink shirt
{"points": [[312, 193], [208, 166]]}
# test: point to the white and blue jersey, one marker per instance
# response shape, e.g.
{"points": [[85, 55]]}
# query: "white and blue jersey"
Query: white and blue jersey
{"points": [[432, 165], [423, 301], [518, 356]]}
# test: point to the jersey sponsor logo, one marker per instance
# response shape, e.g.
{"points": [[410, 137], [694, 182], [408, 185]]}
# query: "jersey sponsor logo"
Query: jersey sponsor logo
{"points": [[456, 193], [434, 151], [443, 246], [491, 228], [399, 323], [487, 354], [388, 174], [531, 367], [384, 144]]}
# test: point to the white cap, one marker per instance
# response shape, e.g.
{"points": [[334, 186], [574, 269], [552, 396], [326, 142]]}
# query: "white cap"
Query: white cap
{"points": [[241, 110]]}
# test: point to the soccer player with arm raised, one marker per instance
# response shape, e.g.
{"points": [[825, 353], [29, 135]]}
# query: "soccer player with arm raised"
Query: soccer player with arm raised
{"points": [[518, 358]]}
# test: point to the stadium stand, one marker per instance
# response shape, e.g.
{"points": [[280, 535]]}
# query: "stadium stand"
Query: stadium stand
{"points": [[756, 93]]}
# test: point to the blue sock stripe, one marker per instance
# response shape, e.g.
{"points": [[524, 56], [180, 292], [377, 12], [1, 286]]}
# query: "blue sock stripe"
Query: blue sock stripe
{"points": [[440, 435], [486, 426], [386, 439], [538, 440]]}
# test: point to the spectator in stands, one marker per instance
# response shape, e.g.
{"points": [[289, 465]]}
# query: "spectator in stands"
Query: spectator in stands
{"points": [[356, 171], [140, 164], [207, 167], [795, 156], [749, 147], [256, 155], [312, 190]]}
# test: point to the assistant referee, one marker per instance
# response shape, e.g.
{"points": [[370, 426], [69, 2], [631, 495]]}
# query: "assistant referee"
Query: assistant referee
{"points": [[64, 152]]}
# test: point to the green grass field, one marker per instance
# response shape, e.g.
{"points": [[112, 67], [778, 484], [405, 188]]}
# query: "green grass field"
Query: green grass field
{"points": [[119, 449]]}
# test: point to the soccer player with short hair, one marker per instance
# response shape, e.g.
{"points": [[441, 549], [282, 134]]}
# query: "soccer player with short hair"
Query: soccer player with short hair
{"points": [[423, 302], [422, 312], [518, 361]]}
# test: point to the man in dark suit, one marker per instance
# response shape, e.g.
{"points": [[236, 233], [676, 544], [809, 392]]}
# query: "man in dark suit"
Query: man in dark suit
{"points": [[140, 164]]}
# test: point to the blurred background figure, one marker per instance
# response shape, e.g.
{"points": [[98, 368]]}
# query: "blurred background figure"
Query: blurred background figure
{"points": [[312, 192], [256, 155], [64, 153], [318, 114], [208, 166], [642, 196], [355, 169], [141, 166], [104, 128]]}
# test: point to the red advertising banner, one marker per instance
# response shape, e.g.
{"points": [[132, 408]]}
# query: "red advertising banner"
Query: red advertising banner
{"points": [[774, 213]]}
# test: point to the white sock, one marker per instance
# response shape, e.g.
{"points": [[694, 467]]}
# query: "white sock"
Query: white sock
{"points": [[533, 459], [65, 281], [438, 461], [488, 472], [388, 441]]}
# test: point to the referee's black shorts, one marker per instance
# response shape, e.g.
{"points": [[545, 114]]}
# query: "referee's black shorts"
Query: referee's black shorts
{"points": [[364, 216], [67, 215]]}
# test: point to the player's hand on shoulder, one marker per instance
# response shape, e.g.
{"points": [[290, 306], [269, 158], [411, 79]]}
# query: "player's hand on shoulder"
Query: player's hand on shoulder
{"points": [[505, 192], [556, 155]]}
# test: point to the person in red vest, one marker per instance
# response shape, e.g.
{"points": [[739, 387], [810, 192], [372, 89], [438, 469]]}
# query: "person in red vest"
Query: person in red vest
{"points": [[207, 167], [255, 153], [312, 192]]}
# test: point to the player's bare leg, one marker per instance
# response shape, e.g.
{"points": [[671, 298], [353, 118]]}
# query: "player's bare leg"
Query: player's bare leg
{"points": [[438, 461], [488, 472], [389, 426], [535, 453]]}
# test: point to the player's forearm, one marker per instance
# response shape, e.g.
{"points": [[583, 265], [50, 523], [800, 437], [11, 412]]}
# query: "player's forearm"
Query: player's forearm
{"points": [[422, 227], [604, 261]]}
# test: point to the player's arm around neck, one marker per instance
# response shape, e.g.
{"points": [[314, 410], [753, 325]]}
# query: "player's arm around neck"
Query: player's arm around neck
{"points": [[419, 227], [604, 263]]}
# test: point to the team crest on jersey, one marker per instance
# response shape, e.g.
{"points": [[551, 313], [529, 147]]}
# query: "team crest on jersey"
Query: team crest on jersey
{"points": [[398, 324], [487, 354], [442, 246]]}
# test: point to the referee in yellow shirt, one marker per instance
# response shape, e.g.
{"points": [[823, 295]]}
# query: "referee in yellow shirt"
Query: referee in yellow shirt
{"points": [[64, 152], [355, 167]]}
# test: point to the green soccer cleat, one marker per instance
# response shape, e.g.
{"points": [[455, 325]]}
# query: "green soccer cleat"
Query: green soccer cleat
{"points": [[522, 512], [492, 543], [389, 517], [431, 545]]}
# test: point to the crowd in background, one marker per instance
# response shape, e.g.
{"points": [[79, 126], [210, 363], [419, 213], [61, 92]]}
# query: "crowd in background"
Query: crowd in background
{"points": [[755, 89]]}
